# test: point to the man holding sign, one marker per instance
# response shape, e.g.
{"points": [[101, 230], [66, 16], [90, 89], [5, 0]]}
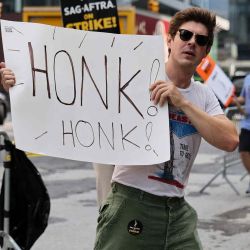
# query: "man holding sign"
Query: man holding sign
{"points": [[146, 208]]}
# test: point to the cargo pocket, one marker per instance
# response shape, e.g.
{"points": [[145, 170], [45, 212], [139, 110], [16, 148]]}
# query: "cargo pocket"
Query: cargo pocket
{"points": [[102, 211], [107, 223]]}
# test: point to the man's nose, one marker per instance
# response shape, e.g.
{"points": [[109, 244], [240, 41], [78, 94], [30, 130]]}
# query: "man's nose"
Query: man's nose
{"points": [[192, 40]]}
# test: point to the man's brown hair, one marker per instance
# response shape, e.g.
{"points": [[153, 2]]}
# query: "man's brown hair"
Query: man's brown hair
{"points": [[195, 14]]}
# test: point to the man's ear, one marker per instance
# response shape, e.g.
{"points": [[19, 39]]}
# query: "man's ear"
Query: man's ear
{"points": [[169, 39]]}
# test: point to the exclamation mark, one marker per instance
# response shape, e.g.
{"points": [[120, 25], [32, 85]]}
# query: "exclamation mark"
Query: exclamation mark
{"points": [[149, 128], [152, 110]]}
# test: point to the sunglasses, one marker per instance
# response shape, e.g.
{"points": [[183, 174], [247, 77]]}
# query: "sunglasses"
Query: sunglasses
{"points": [[186, 35]]}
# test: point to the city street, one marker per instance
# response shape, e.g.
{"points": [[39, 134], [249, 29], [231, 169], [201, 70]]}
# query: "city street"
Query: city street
{"points": [[224, 217]]}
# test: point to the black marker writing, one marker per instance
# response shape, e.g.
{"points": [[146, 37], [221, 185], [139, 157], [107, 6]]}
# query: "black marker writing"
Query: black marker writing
{"points": [[121, 90], [124, 137], [16, 50], [88, 131], [41, 135], [68, 133], [154, 71], [86, 71], [54, 33], [85, 132], [21, 83], [85, 65], [82, 40], [138, 45], [113, 42], [73, 76], [34, 70], [149, 129], [100, 129]]}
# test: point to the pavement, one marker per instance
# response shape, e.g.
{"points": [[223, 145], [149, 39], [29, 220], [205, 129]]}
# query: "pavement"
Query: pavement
{"points": [[224, 216]]}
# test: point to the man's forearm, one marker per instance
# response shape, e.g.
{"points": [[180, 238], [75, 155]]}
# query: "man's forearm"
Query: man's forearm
{"points": [[216, 130]]}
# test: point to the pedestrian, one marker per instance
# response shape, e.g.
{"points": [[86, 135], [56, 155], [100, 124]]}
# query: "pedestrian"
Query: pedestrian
{"points": [[146, 208], [103, 173], [244, 145]]}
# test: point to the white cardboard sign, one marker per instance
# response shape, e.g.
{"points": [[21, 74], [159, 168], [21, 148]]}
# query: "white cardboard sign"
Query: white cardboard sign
{"points": [[84, 95], [217, 80], [221, 85]]}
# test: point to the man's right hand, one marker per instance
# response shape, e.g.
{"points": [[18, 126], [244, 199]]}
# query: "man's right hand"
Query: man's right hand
{"points": [[166, 91], [8, 78]]}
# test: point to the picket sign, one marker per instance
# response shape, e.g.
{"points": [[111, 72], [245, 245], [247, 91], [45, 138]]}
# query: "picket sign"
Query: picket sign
{"points": [[217, 80], [84, 95]]}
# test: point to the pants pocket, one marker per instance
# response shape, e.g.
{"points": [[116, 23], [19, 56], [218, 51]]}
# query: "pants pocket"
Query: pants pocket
{"points": [[102, 211], [106, 228]]}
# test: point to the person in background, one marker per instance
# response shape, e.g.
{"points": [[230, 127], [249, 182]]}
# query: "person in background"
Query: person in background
{"points": [[244, 145], [103, 173]]}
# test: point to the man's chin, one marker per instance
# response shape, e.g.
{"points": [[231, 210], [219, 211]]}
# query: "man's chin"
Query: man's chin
{"points": [[188, 63]]}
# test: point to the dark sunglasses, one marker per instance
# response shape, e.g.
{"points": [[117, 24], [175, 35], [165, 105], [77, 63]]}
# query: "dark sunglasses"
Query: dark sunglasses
{"points": [[186, 35]]}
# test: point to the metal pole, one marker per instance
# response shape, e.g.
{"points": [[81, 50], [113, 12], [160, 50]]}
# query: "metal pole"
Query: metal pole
{"points": [[6, 192], [18, 6]]}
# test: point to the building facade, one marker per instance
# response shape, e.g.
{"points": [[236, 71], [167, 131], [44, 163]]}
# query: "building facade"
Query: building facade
{"points": [[240, 27]]}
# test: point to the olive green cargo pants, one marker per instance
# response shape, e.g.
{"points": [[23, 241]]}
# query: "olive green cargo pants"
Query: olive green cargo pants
{"points": [[135, 220]]}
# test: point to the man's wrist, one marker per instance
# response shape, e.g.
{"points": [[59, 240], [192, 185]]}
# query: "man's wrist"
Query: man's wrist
{"points": [[185, 104]]}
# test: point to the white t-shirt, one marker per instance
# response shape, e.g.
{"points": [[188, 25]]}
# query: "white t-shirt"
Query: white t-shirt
{"points": [[170, 178]]}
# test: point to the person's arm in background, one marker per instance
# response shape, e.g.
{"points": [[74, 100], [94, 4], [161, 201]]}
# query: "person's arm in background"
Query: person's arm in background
{"points": [[240, 100], [8, 78]]}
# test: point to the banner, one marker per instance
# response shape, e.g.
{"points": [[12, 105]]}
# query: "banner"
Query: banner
{"points": [[217, 80], [90, 15], [78, 100]]}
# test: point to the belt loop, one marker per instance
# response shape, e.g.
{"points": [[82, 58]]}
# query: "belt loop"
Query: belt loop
{"points": [[168, 199], [141, 195], [114, 187]]}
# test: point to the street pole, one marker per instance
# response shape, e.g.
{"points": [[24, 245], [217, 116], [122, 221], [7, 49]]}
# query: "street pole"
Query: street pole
{"points": [[18, 6]]}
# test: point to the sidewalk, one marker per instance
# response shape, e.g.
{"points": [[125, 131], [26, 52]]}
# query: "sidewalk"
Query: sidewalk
{"points": [[224, 217]]}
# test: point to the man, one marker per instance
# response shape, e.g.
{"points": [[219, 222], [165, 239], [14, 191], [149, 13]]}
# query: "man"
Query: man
{"points": [[146, 209], [244, 146]]}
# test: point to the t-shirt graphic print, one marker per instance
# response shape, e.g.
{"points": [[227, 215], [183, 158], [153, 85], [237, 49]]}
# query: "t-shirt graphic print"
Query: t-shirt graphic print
{"points": [[180, 128]]}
